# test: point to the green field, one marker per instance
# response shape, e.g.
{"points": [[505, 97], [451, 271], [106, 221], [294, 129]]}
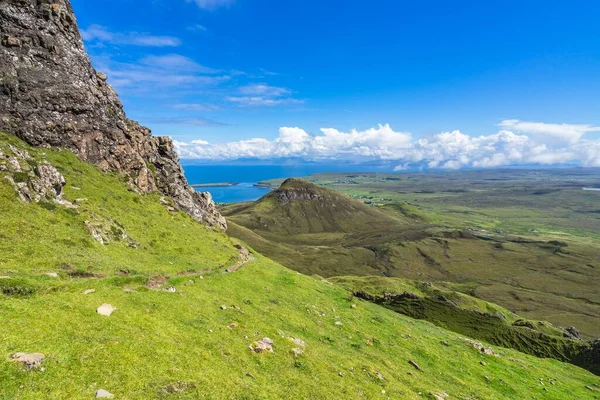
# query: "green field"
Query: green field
{"points": [[171, 337], [533, 202], [490, 234]]}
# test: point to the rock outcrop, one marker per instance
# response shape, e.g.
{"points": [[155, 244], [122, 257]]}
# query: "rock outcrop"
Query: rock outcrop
{"points": [[51, 96], [296, 190], [33, 181]]}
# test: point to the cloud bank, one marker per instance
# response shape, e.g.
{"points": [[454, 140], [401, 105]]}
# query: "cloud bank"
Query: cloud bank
{"points": [[516, 143]]}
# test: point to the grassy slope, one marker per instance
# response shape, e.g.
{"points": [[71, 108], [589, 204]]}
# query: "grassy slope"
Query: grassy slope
{"points": [[468, 316], [542, 277], [159, 342], [38, 239], [158, 339]]}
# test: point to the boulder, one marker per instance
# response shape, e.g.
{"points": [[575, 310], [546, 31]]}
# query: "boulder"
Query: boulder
{"points": [[11, 41]]}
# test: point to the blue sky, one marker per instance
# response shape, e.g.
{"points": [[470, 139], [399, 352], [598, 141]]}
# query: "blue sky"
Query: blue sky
{"points": [[322, 79]]}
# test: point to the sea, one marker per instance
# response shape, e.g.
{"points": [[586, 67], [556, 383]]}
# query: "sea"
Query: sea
{"points": [[246, 176]]}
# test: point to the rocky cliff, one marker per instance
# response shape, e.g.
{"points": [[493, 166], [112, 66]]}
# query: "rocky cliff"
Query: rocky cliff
{"points": [[51, 96]]}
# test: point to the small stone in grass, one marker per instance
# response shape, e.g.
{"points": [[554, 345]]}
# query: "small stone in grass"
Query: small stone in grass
{"points": [[30, 361], [52, 274], [89, 291], [297, 352], [223, 307], [379, 375], [103, 394], [298, 342], [262, 345], [482, 363], [445, 343], [414, 364], [105, 310], [353, 306], [233, 325], [338, 323], [439, 396]]}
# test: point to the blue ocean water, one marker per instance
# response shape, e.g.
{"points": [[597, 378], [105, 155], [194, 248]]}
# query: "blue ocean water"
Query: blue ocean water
{"points": [[248, 175]]}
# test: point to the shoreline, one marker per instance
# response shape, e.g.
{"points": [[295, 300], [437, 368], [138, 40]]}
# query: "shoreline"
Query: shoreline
{"points": [[263, 185], [218, 184]]}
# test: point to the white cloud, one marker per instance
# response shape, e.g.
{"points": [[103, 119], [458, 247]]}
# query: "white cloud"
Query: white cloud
{"points": [[212, 4], [177, 62], [202, 107], [198, 28], [189, 121], [380, 142], [101, 35], [168, 71], [259, 101], [446, 150], [264, 90], [260, 95], [563, 132]]}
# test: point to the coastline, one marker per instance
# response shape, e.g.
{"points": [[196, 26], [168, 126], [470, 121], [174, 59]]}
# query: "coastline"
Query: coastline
{"points": [[218, 184], [264, 185]]}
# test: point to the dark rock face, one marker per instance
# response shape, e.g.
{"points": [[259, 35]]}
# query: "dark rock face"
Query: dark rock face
{"points": [[288, 195], [51, 96]]}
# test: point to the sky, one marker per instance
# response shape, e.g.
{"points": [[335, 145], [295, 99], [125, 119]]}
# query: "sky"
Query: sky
{"points": [[433, 83]]}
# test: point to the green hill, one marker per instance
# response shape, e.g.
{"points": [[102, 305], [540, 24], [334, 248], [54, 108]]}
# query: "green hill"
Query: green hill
{"points": [[182, 327], [319, 231], [538, 277], [299, 207]]}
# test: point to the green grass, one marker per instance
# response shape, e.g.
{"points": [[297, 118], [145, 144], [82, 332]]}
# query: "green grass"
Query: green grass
{"points": [[61, 243], [178, 345], [549, 201], [158, 339], [469, 316], [541, 277]]}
